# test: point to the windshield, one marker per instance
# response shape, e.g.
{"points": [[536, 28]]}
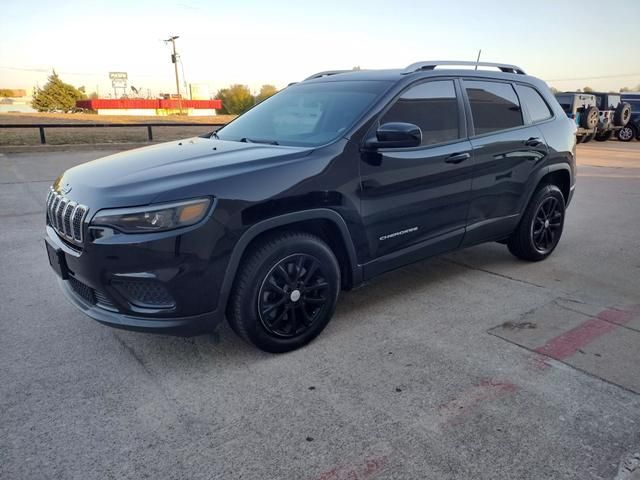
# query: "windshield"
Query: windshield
{"points": [[305, 114]]}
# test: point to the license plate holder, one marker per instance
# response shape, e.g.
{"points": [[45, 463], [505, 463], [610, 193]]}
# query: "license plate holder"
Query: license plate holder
{"points": [[57, 260]]}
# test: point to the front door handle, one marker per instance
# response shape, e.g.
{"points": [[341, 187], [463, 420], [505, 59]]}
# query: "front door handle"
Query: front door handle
{"points": [[533, 142], [458, 157]]}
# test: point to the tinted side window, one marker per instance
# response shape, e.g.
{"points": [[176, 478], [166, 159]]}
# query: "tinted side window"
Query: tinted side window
{"points": [[433, 107], [494, 106], [537, 107]]}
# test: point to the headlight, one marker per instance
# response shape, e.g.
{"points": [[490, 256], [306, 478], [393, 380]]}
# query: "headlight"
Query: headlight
{"points": [[153, 218]]}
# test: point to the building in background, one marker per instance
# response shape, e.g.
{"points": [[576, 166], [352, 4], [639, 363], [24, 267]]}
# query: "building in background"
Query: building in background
{"points": [[159, 107], [17, 102]]}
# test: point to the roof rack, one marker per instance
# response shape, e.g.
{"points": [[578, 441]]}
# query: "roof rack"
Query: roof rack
{"points": [[432, 64], [326, 73]]}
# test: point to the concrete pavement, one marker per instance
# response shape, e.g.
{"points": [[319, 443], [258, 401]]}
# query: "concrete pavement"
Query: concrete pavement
{"points": [[471, 365]]}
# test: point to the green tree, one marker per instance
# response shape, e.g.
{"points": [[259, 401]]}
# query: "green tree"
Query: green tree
{"points": [[56, 96], [6, 92], [587, 89], [265, 92], [236, 99], [554, 90]]}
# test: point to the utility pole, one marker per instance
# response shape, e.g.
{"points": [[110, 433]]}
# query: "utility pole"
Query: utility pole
{"points": [[174, 60]]}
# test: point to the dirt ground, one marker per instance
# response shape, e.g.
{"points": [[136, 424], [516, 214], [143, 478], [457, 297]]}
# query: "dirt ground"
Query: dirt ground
{"points": [[58, 136]]}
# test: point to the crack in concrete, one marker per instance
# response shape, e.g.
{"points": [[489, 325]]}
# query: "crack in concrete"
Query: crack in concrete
{"points": [[597, 316], [629, 468], [551, 359], [501, 275], [186, 420]]}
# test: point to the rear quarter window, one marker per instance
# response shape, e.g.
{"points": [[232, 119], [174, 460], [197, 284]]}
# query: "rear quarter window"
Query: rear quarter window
{"points": [[534, 103]]}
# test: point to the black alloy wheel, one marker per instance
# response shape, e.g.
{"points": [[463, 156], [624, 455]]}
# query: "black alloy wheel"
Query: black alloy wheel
{"points": [[541, 225], [547, 225], [293, 295], [285, 291]]}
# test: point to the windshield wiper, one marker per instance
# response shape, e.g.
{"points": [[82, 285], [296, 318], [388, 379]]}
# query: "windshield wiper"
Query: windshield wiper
{"points": [[258, 140]]}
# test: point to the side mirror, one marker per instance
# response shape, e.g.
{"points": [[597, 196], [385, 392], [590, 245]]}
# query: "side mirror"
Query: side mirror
{"points": [[396, 135]]}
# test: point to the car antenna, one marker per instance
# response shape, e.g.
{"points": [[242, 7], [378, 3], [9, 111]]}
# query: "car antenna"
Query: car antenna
{"points": [[478, 59]]}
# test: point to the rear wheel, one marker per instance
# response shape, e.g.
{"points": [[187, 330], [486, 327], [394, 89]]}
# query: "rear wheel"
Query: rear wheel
{"points": [[628, 133], [603, 137], [541, 225], [285, 292]]}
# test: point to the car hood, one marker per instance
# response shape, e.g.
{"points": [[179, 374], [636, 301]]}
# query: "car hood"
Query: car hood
{"points": [[174, 169]]}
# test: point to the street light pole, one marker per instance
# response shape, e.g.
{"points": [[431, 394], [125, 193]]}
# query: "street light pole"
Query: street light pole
{"points": [[174, 60]]}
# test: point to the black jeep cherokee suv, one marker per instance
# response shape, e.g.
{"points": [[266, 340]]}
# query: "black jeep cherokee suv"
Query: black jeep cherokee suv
{"points": [[323, 186]]}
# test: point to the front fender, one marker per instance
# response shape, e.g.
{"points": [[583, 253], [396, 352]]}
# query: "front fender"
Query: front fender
{"points": [[280, 221]]}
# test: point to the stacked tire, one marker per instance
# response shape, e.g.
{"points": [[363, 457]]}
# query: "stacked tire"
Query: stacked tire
{"points": [[622, 118], [589, 121]]}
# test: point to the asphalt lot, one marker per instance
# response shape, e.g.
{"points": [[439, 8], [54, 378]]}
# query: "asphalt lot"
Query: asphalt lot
{"points": [[471, 365]]}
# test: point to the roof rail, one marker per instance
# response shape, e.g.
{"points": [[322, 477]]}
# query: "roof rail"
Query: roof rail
{"points": [[432, 64], [326, 73]]}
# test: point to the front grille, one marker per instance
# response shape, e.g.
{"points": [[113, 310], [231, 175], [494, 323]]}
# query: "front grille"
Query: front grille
{"points": [[90, 295], [65, 216]]}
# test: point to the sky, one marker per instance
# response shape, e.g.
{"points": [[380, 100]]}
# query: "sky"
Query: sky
{"points": [[570, 44]]}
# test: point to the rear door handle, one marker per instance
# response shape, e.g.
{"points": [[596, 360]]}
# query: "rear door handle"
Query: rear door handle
{"points": [[533, 142], [458, 157]]}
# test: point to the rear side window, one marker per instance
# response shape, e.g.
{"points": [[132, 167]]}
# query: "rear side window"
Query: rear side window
{"points": [[433, 107], [494, 106], [565, 102], [608, 102], [535, 104]]}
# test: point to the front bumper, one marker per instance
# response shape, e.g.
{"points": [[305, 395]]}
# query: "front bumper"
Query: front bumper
{"points": [[164, 283], [187, 326]]}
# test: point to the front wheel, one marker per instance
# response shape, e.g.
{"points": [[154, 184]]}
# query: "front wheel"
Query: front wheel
{"points": [[541, 225], [626, 134], [285, 292]]}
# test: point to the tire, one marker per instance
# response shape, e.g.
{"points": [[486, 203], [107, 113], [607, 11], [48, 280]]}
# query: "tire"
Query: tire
{"points": [[589, 118], [603, 137], [628, 133], [588, 137], [285, 292], [545, 214], [622, 115]]}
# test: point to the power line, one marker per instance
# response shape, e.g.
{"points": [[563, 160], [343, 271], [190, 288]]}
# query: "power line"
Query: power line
{"points": [[594, 78], [48, 70]]}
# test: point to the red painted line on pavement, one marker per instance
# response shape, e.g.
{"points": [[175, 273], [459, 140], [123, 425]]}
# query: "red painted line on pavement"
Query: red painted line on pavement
{"points": [[368, 469], [568, 343], [469, 400]]}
